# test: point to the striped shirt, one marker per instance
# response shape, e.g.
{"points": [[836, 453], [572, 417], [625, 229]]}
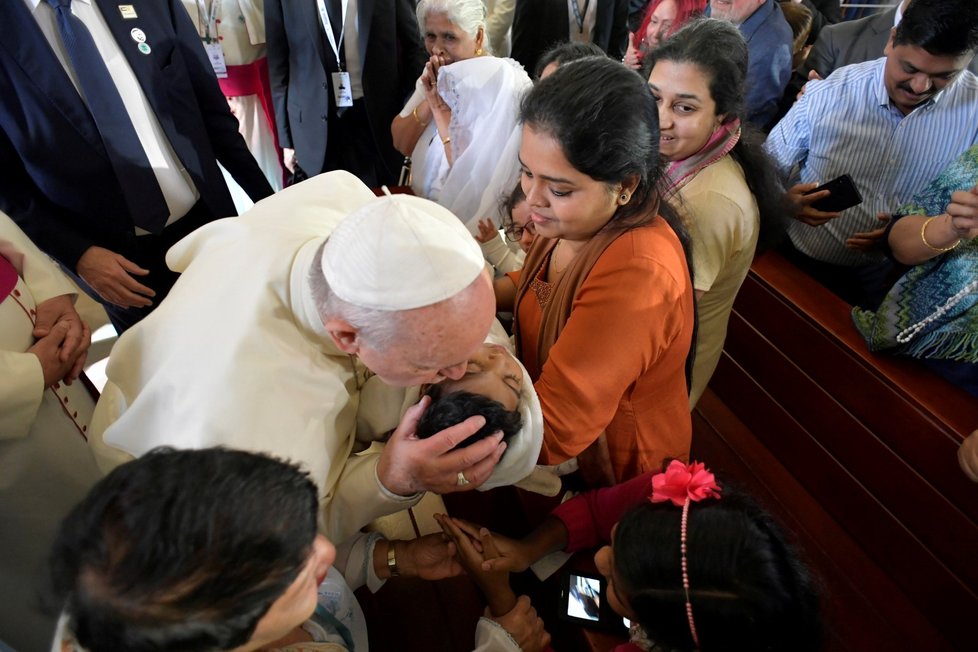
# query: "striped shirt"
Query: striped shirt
{"points": [[846, 124]]}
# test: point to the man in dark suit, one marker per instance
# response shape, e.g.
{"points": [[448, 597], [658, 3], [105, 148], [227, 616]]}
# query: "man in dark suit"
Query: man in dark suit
{"points": [[538, 25], [111, 126], [853, 41], [856, 41], [328, 121]]}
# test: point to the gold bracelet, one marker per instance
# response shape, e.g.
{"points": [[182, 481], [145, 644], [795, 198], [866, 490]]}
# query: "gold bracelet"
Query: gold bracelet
{"points": [[415, 114], [923, 237], [446, 140], [392, 560]]}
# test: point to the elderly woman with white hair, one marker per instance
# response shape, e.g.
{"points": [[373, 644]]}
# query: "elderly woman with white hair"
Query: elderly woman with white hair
{"points": [[460, 127]]}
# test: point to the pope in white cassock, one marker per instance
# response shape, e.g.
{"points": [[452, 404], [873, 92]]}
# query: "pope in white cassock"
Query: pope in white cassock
{"points": [[279, 318]]}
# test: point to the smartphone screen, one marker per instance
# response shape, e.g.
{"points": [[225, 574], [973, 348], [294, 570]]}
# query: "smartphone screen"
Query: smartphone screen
{"points": [[584, 597], [584, 601]]}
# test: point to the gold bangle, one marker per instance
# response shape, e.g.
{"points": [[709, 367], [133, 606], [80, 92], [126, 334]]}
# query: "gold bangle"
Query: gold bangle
{"points": [[446, 140], [923, 237], [415, 114], [392, 560]]}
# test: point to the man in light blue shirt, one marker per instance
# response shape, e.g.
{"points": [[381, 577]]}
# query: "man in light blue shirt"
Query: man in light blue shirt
{"points": [[769, 44], [892, 125]]}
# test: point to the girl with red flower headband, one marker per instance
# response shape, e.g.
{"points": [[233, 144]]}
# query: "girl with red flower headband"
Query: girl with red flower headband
{"points": [[693, 567]]}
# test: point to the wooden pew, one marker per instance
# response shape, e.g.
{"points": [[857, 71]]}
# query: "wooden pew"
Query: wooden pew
{"points": [[857, 455]]}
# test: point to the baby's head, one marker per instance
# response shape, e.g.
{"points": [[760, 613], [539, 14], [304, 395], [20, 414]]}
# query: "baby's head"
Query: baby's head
{"points": [[491, 386], [748, 590]]}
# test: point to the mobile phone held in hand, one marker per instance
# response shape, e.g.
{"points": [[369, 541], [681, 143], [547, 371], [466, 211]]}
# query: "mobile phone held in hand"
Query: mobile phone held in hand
{"points": [[844, 195], [584, 600]]}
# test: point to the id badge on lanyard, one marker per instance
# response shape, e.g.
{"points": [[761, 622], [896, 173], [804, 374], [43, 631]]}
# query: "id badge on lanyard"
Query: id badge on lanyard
{"points": [[342, 87], [212, 46]]}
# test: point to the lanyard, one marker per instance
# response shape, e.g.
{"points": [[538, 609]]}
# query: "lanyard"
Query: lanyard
{"points": [[578, 16], [328, 27], [208, 15]]}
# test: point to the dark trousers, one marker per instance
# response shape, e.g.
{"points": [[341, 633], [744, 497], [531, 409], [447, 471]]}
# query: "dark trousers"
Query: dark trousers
{"points": [[863, 286], [350, 146], [149, 252]]}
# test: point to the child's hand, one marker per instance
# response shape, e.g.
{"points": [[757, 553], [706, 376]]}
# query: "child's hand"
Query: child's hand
{"points": [[510, 554], [487, 231], [493, 583], [431, 557]]}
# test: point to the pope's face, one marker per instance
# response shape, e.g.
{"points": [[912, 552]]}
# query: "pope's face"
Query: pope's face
{"points": [[436, 341]]}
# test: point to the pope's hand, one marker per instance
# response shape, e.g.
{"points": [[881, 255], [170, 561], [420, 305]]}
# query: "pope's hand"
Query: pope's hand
{"points": [[409, 465]]}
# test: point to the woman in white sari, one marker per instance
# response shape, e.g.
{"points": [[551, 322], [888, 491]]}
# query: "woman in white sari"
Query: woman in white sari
{"points": [[460, 127]]}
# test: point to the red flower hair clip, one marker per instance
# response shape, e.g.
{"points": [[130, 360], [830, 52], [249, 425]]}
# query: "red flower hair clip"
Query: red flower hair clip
{"points": [[681, 481], [684, 484]]}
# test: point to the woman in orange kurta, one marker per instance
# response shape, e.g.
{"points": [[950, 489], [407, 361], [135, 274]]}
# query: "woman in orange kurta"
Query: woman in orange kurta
{"points": [[604, 303]]}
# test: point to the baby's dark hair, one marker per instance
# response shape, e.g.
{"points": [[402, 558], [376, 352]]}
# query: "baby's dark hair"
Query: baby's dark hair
{"points": [[511, 201], [565, 53], [448, 409], [747, 587]]}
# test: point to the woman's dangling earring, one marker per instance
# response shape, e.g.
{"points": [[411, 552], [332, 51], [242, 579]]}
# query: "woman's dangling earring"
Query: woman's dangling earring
{"points": [[480, 52]]}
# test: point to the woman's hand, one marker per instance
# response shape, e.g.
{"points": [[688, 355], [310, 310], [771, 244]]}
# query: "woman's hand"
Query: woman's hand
{"points": [[429, 82], [632, 58], [963, 210], [487, 231], [472, 552]]}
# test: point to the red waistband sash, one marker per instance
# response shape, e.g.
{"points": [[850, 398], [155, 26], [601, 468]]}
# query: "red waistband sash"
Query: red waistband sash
{"points": [[252, 79], [8, 278]]}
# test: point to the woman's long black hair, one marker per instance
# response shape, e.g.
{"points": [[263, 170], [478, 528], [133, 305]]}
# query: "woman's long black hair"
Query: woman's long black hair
{"points": [[717, 48]]}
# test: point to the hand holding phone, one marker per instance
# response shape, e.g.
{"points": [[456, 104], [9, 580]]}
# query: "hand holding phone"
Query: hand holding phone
{"points": [[843, 194], [808, 199]]}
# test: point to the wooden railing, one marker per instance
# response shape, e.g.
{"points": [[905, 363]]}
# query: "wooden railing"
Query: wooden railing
{"points": [[857, 454]]}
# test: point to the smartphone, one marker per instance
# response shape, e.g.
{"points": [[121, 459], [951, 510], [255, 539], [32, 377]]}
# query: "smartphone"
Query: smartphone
{"points": [[844, 195], [584, 600]]}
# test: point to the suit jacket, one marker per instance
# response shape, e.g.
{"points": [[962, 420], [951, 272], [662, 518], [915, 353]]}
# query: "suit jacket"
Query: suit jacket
{"points": [[58, 183], [849, 42], [854, 41], [300, 62], [538, 25], [824, 13]]}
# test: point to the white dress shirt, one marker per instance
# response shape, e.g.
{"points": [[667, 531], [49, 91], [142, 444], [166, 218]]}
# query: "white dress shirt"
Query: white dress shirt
{"points": [[178, 189]]}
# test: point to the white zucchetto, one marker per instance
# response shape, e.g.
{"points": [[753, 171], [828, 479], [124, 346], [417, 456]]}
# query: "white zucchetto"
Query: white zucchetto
{"points": [[400, 252]]}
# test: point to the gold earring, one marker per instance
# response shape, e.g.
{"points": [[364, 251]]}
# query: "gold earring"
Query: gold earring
{"points": [[479, 52]]}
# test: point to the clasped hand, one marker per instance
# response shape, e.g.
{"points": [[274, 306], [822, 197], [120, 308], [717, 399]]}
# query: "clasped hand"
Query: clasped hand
{"points": [[62, 340]]}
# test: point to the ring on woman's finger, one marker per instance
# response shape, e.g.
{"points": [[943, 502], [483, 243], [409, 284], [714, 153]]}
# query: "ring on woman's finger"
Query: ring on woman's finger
{"points": [[461, 481]]}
